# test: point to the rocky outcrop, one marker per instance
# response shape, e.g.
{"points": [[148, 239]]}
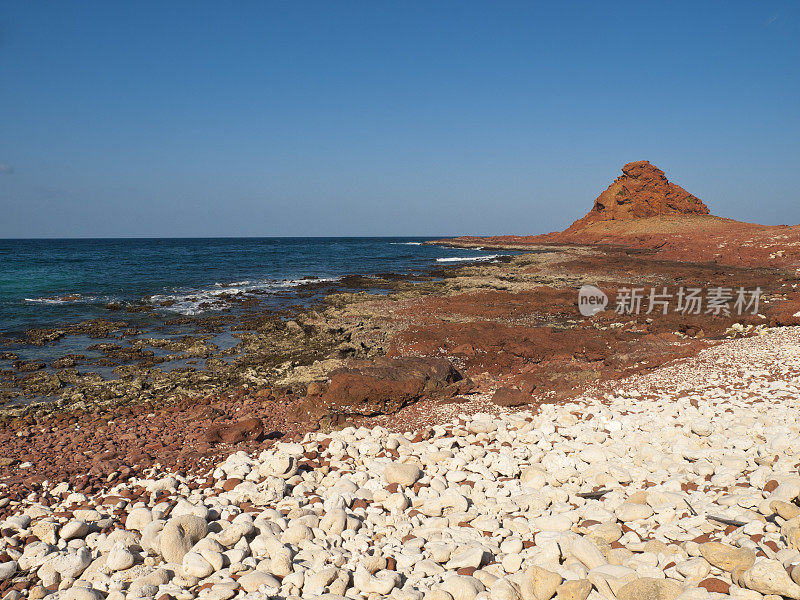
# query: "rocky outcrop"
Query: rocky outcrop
{"points": [[643, 211], [384, 386], [642, 191], [234, 433]]}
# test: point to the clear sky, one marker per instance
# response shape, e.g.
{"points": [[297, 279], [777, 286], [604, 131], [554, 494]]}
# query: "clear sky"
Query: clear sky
{"points": [[386, 118]]}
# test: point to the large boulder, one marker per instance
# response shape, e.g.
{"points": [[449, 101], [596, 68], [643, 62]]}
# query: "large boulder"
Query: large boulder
{"points": [[179, 535], [384, 386], [233, 433]]}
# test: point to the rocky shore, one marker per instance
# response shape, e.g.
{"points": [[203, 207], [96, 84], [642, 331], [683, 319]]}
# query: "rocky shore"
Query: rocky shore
{"points": [[680, 483], [508, 333], [471, 433], [141, 355]]}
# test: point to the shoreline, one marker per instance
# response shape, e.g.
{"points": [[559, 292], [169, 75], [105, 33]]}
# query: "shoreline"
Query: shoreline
{"points": [[676, 237], [127, 348], [509, 332]]}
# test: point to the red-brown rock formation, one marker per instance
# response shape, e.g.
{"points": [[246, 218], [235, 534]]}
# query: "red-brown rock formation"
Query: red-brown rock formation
{"points": [[642, 209], [383, 386], [642, 191]]}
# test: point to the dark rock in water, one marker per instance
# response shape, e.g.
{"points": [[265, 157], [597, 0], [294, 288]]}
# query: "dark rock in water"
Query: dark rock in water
{"points": [[40, 337], [233, 433], [384, 386], [505, 396], [40, 384], [27, 366], [67, 361], [138, 308]]}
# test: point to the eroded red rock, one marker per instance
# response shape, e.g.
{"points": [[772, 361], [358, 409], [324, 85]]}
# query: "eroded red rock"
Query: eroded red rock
{"points": [[384, 386], [233, 433], [506, 396], [712, 584], [642, 191], [643, 210]]}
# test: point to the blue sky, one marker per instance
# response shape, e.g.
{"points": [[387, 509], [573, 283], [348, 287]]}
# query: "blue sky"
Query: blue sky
{"points": [[377, 118]]}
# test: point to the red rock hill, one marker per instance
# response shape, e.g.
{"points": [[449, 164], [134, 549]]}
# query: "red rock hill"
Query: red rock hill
{"points": [[643, 209], [642, 191]]}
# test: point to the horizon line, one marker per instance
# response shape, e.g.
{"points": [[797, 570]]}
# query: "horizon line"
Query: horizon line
{"points": [[232, 237]]}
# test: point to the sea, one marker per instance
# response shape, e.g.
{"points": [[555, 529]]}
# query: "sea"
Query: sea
{"points": [[52, 282]]}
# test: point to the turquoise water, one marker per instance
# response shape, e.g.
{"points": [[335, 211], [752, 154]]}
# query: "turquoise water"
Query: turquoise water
{"points": [[52, 282]]}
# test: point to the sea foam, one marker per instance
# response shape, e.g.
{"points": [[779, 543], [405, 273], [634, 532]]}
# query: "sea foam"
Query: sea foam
{"points": [[469, 258], [192, 302]]}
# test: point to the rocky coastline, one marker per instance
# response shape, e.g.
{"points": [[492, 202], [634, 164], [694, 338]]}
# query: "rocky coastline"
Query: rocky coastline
{"points": [[509, 332], [471, 433], [125, 359]]}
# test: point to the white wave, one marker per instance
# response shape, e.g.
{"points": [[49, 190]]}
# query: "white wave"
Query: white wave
{"points": [[215, 298], [65, 299], [406, 243], [469, 258], [299, 282], [233, 283], [47, 300]]}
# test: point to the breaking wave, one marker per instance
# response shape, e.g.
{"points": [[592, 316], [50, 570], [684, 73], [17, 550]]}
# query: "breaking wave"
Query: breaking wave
{"points": [[220, 295], [65, 299], [470, 258]]}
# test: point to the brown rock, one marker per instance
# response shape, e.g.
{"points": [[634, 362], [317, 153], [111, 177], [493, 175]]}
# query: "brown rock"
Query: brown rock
{"points": [[233, 433], [642, 191], [510, 397], [315, 388], [230, 484], [712, 584], [384, 386]]}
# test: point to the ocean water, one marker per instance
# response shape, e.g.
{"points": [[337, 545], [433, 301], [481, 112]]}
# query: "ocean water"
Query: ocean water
{"points": [[53, 282]]}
